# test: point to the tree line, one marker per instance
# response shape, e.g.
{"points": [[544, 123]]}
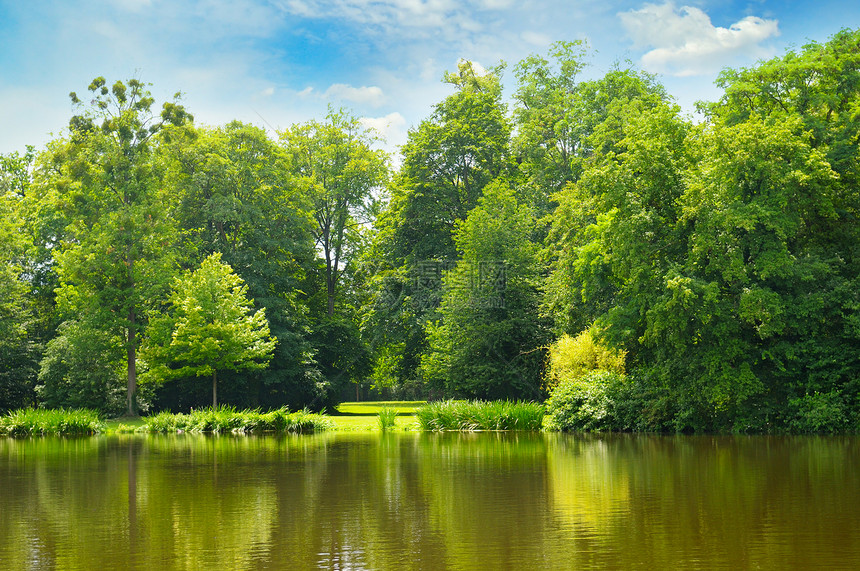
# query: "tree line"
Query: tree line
{"points": [[717, 257]]}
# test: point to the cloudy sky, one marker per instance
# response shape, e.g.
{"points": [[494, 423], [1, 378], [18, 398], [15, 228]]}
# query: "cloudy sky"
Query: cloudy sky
{"points": [[277, 62]]}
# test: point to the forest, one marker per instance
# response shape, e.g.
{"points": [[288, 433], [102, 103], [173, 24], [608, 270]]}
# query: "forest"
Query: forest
{"points": [[577, 241]]}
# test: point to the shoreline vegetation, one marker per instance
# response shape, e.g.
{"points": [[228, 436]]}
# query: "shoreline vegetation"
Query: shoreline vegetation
{"points": [[382, 416], [357, 416]]}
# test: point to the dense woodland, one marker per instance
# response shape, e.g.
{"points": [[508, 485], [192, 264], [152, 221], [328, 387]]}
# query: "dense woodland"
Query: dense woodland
{"points": [[587, 240]]}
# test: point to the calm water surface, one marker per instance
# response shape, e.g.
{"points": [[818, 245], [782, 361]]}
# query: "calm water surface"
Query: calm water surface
{"points": [[430, 501]]}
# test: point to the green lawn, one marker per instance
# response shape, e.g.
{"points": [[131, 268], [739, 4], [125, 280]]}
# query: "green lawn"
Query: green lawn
{"points": [[372, 407], [363, 415]]}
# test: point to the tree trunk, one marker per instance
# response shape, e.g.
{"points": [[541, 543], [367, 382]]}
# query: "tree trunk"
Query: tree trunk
{"points": [[214, 389]]}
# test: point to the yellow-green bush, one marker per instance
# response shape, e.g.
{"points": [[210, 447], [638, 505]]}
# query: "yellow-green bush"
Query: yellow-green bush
{"points": [[571, 357]]}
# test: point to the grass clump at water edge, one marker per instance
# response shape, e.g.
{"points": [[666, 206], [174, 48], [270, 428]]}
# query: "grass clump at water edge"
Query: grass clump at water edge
{"points": [[58, 422], [387, 417], [480, 415], [228, 419]]}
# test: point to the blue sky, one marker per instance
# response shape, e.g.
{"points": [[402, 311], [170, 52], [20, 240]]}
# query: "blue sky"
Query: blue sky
{"points": [[277, 62]]}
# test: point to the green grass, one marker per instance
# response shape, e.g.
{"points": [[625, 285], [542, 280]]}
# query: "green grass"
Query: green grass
{"points": [[364, 416], [387, 418], [372, 408], [480, 415], [58, 422], [228, 419]]}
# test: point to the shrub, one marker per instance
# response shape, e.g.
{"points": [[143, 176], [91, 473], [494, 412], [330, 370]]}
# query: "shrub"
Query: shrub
{"points": [[571, 357], [480, 415], [587, 402], [818, 413]]}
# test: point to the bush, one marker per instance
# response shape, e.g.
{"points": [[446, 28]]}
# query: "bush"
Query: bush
{"points": [[480, 415], [587, 403], [818, 413], [571, 357], [83, 368]]}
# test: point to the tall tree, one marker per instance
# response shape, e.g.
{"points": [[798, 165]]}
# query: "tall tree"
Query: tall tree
{"points": [[447, 162], [561, 120], [17, 349], [486, 341], [236, 196], [116, 258], [342, 175], [210, 327]]}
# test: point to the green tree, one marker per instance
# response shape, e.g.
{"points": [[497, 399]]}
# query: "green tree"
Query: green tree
{"points": [[561, 121], [236, 196], [83, 368], [209, 327], [17, 351], [447, 162], [342, 174], [116, 256], [486, 342]]}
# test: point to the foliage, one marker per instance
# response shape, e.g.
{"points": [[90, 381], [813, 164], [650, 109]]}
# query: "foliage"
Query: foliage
{"points": [[115, 259], [486, 342], [227, 419], [334, 164], [18, 351], [342, 357], [83, 368], [209, 327], [585, 402], [448, 160], [480, 415], [51, 422], [818, 413], [236, 196], [571, 357]]}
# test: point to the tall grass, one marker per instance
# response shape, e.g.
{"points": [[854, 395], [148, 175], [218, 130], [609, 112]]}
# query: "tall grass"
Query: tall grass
{"points": [[480, 415], [228, 419], [387, 416], [59, 422]]}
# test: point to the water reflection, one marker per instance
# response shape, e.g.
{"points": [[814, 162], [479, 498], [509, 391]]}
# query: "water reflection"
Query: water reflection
{"points": [[429, 501]]}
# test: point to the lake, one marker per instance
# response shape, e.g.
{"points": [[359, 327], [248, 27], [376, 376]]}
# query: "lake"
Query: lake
{"points": [[410, 500]]}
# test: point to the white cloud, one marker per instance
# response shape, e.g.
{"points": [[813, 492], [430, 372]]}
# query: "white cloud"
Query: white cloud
{"points": [[684, 42], [364, 95], [392, 126], [268, 92]]}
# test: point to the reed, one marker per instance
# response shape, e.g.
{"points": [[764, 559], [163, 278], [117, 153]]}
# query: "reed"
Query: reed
{"points": [[55, 422], [227, 419], [480, 415], [386, 418]]}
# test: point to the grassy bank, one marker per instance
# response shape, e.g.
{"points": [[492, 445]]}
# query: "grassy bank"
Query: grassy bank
{"points": [[480, 415], [350, 416]]}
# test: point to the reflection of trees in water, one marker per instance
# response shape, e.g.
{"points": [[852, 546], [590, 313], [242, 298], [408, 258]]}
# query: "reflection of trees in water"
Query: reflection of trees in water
{"points": [[425, 501], [682, 501]]}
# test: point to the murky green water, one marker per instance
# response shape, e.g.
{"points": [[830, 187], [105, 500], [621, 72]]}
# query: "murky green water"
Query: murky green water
{"points": [[430, 501]]}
